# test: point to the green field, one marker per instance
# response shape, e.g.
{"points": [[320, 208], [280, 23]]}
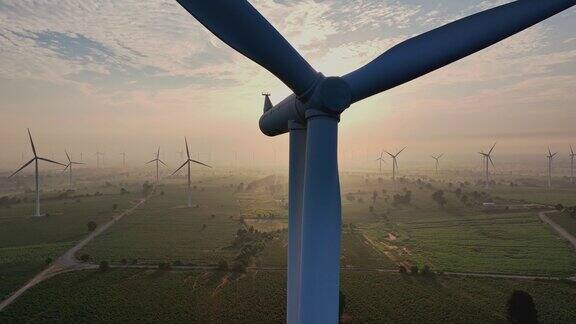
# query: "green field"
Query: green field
{"points": [[259, 297], [26, 242]]}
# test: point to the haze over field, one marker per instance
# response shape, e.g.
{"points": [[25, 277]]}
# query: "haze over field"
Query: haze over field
{"points": [[129, 76]]}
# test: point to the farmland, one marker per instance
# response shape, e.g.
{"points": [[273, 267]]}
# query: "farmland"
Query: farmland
{"points": [[257, 297], [385, 225]]}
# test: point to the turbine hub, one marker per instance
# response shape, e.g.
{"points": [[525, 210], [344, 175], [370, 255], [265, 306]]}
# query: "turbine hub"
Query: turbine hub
{"points": [[333, 95]]}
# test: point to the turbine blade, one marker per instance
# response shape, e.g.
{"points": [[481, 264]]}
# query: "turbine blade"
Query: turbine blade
{"points": [[66, 168], [571, 150], [77, 163], [492, 148], [198, 162], [68, 156], [187, 150], [183, 164], [162, 162], [449, 43], [401, 151], [32, 142], [22, 167], [490, 158], [48, 160], [392, 156], [243, 28], [441, 155], [151, 161]]}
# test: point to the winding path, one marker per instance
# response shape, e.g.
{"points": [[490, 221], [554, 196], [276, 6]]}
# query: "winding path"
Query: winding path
{"points": [[67, 262]]}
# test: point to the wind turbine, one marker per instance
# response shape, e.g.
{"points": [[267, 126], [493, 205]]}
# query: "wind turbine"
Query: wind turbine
{"points": [[98, 155], [187, 162], [437, 159], [35, 160], [488, 158], [311, 115], [69, 167], [572, 155], [157, 160], [395, 162], [550, 157], [380, 160], [123, 160]]}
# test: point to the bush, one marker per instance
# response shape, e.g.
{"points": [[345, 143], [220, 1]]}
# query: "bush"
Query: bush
{"points": [[91, 226], [426, 271], [124, 261], [84, 257], [164, 266], [124, 191], [115, 206], [402, 269], [414, 269], [559, 207], [177, 263], [48, 260], [104, 266], [521, 308]]}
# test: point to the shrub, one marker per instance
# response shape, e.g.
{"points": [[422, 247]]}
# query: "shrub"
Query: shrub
{"points": [[115, 206], [164, 266], [91, 226], [104, 266], [48, 260], [84, 257], [402, 269], [521, 308], [414, 269], [426, 271], [124, 261]]}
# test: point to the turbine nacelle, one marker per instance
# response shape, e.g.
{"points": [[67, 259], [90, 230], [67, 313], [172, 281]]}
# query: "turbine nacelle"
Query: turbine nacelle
{"points": [[328, 96]]}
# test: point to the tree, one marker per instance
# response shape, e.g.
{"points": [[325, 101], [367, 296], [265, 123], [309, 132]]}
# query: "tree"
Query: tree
{"points": [[115, 206], [521, 308], [91, 226], [104, 266], [48, 260], [84, 257], [341, 305], [438, 197], [414, 269]]}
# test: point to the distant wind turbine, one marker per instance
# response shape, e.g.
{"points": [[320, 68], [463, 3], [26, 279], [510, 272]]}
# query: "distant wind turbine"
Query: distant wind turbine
{"points": [[380, 160], [395, 162], [187, 162], [35, 160], [487, 158], [98, 155], [69, 167], [157, 160], [572, 155], [550, 157], [437, 159], [123, 160]]}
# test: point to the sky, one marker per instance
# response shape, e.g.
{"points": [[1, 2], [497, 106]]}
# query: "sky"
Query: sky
{"points": [[114, 76]]}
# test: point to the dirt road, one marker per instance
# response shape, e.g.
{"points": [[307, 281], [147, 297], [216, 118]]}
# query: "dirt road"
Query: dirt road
{"points": [[67, 262]]}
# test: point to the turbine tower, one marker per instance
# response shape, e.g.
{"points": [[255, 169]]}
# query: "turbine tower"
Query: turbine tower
{"points": [[395, 162], [69, 167], [437, 159], [550, 157], [380, 160], [157, 160], [35, 160], [311, 115], [487, 158], [572, 155], [187, 162], [123, 160], [98, 155]]}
